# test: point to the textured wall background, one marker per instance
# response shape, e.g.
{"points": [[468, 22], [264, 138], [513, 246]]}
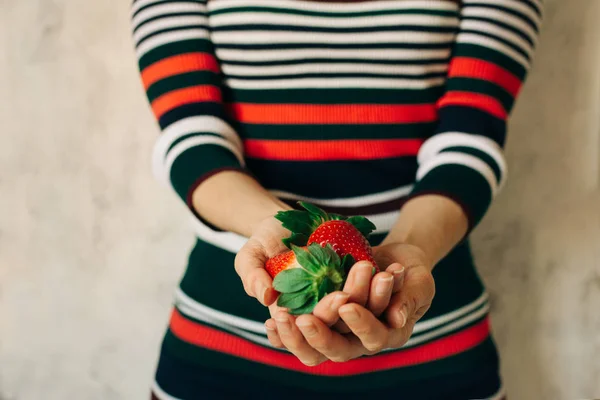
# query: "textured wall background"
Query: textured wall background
{"points": [[91, 247]]}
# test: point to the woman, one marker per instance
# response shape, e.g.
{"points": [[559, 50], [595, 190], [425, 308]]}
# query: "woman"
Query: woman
{"points": [[393, 109]]}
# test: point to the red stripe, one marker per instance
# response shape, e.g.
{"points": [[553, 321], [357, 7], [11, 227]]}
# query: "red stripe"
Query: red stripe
{"points": [[466, 67], [179, 64], [475, 100], [213, 339], [176, 98], [332, 114], [329, 150]]}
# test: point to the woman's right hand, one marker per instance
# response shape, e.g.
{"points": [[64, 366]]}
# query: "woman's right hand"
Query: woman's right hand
{"points": [[264, 243]]}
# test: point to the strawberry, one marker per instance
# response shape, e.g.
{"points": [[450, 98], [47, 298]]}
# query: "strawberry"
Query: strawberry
{"points": [[345, 235], [344, 238], [304, 275]]}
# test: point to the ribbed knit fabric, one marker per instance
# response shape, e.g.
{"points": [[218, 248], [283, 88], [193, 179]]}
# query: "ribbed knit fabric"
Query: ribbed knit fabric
{"points": [[387, 99]]}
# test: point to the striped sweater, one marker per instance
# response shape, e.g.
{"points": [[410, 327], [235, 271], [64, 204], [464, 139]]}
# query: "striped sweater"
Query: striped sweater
{"points": [[388, 98]]}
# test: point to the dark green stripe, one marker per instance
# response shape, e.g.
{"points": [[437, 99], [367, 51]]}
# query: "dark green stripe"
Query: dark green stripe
{"points": [[427, 61], [158, 3], [282, 10], [334, 96], [506, 10], [182, 81], [169, 15], [333, 75], [470, 364], [186, 169], [482, 87], [508, 43], [487, 54], [338, 46], [482, 155], [184, 137], [461, 183], [336, 132], [175, 48], [310, 29], [503, 25], [167, 30]]}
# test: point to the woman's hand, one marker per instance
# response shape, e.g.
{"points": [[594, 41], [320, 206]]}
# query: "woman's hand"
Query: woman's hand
{"points": [[311, 338], [264, 243]]}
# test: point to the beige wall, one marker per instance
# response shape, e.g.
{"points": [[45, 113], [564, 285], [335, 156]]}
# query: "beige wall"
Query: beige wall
{"points": [[91, 247]]}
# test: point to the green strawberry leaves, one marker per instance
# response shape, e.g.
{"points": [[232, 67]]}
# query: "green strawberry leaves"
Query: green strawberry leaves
{"points": [[363, 225], [321, 272], [294, 300], [291, 280], [302, 223]]}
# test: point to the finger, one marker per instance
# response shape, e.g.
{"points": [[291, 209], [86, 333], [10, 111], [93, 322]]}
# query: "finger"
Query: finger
{"points": [[327, 309], [372, 333], [294, 341], [380, 293], [411, 303], [341, 327], [331, 344], [249, 265], [397, 271], [359, 281], [272, 335]]}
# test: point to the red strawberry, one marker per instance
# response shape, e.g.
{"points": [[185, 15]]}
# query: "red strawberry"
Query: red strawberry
{"points": [[305, 275], [345, 235], [281, 262], [344, 238]]}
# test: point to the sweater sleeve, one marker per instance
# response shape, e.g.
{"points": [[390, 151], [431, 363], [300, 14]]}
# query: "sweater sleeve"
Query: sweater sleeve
{"points": [[464, 160], [182, 79]]}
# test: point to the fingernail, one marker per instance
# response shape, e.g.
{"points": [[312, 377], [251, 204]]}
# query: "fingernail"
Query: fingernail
{"points": [[339, 300], [283, 323], [403, 314], [270, 328], [384, 285], [366, 267], [398, 272], [350, 314], [307, 327]]}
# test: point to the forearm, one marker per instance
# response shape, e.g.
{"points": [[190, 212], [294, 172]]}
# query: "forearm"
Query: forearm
{"points": [[235, 202], [433, 223]]}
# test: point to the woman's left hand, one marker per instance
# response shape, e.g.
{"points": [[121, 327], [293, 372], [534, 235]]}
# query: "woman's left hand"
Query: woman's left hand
{"points": [[311, 338]]}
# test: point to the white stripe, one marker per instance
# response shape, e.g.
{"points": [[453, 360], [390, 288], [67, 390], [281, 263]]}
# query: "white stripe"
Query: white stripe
{"points": [[286, 37], [445, 318], [366, 200], [337, 7], [167, 23], [321, 83], [500, 32], [433, 146], [517, 5], [184, 127], [458, 317], [262, 340], [228, 241], [301, 54], [195, 141], [335, 68], [182, 299], [138, 4], [384, 221], [503, 17], [166, 9], [466, 160], [161, 394], [169, 38], [448, 328], [494, 45], [220, 20]]}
